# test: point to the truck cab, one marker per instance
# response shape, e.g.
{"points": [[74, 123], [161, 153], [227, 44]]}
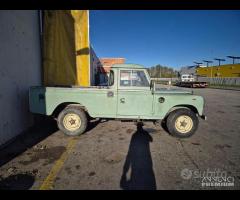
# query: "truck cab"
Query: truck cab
{"points": [[134, 96], [187, 78], [129, 95]]}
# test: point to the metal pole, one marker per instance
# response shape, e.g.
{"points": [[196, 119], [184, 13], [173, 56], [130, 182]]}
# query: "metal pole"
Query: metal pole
{"points": [[40, 21]]}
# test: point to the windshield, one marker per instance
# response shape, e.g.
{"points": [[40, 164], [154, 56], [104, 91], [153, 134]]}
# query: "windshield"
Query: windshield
{"points": [[185, 76]]}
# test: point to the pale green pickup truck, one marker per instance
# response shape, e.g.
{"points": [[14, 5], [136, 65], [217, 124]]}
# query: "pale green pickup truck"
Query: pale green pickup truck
{"points": [[129, 95]]}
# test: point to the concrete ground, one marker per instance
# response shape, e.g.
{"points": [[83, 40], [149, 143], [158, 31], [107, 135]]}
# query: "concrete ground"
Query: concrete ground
{"points": [[111, 153]]}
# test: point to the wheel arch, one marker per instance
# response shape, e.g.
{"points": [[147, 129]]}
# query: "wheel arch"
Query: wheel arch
{"points": [[182, 106], [64, 105]]}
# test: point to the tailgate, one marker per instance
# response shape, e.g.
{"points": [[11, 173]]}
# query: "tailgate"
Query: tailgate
{"points": [[37, 102]]}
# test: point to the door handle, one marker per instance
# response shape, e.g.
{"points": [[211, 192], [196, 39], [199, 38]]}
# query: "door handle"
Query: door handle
{"points": [[122, 100]]}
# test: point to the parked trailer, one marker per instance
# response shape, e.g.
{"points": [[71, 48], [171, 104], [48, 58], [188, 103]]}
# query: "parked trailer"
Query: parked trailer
{"points": [[188, 80], [195, 84]]}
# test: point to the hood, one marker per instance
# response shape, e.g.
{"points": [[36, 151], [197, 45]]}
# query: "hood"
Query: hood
{"points": [[171, 91]]}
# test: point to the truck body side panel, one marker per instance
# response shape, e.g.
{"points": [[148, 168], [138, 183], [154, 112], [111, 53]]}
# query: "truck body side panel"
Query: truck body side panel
{"points": [[173, 100], [96, 101]]}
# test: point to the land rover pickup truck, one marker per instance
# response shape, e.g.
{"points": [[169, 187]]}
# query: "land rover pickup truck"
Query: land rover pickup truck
{"points": [[129, 95]]}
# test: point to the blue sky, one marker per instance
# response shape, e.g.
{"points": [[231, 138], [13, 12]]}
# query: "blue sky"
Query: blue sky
{"points": [[166, 37]]}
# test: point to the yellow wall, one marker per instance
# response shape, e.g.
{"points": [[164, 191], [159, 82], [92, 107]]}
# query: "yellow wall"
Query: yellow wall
{"points": [[231, 70], [82, 46], [66, 49]]}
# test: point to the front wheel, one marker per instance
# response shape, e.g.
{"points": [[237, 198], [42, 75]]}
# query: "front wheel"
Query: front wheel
{"points": [[72, 121], [182, 123]]}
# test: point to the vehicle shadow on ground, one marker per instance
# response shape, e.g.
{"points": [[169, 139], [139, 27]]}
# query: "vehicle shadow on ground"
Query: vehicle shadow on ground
{"points": [[42, 129], [92, 124], [164, 126], [28, 139], [17, 182], [139, 160]]}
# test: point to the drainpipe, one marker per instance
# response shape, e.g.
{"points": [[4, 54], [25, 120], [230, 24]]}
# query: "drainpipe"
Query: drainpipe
{"points": [[40, 21]]}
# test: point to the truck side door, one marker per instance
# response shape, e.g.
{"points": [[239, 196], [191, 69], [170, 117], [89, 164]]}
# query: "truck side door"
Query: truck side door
{"points": [[105, 100], [134, 95]]}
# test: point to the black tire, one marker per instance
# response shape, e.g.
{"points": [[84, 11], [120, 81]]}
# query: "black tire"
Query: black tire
{"points": [[72, 111], [172, 126]]}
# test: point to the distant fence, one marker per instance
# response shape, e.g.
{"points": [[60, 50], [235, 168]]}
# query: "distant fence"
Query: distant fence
{"points": [[231, 81], [221, 81]]}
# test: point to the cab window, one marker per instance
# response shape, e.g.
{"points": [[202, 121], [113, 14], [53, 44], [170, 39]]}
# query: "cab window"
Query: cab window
{"points": [[135, 78], [139, 79], [125, 78]]}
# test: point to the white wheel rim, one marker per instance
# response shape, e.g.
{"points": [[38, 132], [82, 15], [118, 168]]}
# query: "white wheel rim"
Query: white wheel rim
{"points": [[183, 124], [71, 122]]}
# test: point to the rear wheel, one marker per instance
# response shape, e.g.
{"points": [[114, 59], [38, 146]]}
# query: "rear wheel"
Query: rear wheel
{"points": [[182, 123], [72, 121]]}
